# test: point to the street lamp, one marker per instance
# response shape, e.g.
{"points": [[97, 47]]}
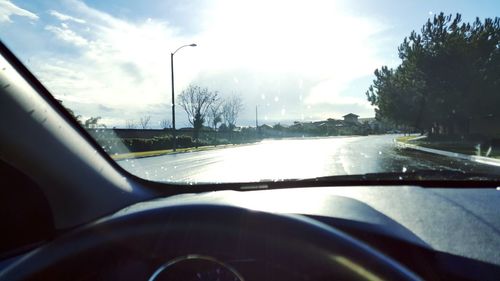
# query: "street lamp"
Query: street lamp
{"points": [[173, 93]]}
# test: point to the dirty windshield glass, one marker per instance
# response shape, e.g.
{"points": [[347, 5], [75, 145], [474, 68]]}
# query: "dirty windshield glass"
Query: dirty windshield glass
{"points": [[246, 91]]}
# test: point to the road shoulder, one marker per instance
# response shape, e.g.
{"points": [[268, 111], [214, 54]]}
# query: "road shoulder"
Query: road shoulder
{"points": [[143, 154], [405, 143]]}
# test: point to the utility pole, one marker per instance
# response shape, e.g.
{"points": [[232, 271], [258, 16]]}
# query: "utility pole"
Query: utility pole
{"points": [[256, 117], [256, 120]]}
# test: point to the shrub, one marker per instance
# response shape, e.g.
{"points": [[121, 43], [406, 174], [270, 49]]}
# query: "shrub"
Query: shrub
{"points": [[118, 145]]}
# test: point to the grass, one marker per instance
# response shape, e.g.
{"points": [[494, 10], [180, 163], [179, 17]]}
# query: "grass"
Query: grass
{"points": [[463, 147], [141, 154], [405, 139], [453, 147]]}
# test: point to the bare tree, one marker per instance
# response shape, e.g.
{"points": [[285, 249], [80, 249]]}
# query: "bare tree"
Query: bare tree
{"points": [[144, 122], [196, 101], [214, 116], [231, 108], [130, 124], [165, 124]]}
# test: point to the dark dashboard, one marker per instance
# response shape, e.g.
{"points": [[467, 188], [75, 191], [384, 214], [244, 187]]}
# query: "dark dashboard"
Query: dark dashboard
{"points": [[438, 234]]}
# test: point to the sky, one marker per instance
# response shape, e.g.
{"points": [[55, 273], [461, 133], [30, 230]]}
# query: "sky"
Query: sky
{"points": [[293, 60]]}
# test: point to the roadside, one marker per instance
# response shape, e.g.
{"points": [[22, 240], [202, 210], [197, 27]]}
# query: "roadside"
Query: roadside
{"points": [[142, 154], [153, 153], [461, 150]]}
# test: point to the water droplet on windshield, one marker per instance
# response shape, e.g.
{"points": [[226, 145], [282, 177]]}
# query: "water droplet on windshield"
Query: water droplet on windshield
{"points": [[404, 169]]}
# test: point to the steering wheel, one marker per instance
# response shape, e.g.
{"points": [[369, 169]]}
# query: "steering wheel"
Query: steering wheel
{"points": [[138, 243]]}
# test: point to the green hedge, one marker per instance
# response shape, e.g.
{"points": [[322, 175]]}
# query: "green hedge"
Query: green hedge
{"points": [[117, 145]]}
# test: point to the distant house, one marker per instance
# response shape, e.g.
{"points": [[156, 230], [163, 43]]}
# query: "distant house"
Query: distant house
{"points": [[265, 127], [351, 118]]}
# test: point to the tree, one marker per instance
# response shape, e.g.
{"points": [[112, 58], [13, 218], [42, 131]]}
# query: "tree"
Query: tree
{"points": [[278, 127], [214, 116], [165, 124], [130, 124], [144, 122], [78, 117], [223, 127], [231, 108], [93, 123], [449, 75], [196, 101]]}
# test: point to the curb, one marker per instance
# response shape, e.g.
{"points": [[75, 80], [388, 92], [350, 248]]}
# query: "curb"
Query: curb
{"points": [[473, 158]]}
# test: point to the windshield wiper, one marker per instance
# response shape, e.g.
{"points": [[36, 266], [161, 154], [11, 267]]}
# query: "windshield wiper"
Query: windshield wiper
{"points": [[420, 177]]}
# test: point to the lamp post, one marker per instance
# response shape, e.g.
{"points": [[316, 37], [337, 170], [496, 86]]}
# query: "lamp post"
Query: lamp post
{"points": [[174, 138]]}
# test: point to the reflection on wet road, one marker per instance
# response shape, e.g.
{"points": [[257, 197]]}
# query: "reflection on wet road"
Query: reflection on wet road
{"points": [[293, 159]]}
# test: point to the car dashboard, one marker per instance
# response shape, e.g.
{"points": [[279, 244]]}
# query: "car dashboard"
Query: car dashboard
{"points": [[439, 234]]}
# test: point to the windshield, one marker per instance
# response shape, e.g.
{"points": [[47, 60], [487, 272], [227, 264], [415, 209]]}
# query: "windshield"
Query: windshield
{"points": [[248, 91]]}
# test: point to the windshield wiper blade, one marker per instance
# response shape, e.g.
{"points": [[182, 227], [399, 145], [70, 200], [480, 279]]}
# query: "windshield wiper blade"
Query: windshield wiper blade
{"points": [[419, 175], [420, 178]]}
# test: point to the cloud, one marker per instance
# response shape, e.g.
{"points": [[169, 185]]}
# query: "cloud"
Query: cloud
{"points": [[294, 59], [63, 17], [122, 65], [331, 92], [310, 49], [8, 9], [67, 35]]}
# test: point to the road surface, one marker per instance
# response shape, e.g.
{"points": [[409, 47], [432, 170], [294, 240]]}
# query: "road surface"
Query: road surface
{"points": [[293, 159]]}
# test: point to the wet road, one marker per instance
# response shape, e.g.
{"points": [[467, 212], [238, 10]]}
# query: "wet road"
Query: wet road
{"points": [[294, 159]]}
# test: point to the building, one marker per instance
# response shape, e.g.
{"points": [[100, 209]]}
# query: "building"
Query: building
{"points": [[351, 118]]}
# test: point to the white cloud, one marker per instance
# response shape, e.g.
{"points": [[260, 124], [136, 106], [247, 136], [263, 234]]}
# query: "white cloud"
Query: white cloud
{"points": [[332, 91], [63, 17], [8, 9], [118, 64], [66, 34], [278, 49], [315, 40]]}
